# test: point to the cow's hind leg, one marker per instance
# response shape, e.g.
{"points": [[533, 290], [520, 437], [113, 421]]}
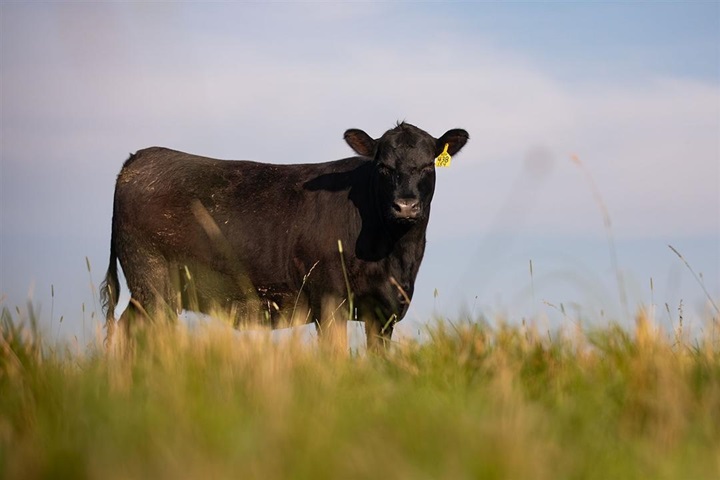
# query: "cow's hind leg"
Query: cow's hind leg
{"points": [[153, 293], [133, 316]]}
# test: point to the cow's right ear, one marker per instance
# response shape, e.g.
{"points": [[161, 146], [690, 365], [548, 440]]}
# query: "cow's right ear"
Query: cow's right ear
{"points": [[360, 142]]}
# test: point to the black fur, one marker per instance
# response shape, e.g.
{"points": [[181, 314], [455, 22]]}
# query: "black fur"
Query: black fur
{"points": [[261, 240]]}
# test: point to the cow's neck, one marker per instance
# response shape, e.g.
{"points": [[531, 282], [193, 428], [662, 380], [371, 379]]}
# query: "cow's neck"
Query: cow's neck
{"points": [[379, 241], [409, 246]]}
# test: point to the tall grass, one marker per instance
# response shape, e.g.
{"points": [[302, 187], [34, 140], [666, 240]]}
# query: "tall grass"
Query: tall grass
{"points": [[475, 401]]}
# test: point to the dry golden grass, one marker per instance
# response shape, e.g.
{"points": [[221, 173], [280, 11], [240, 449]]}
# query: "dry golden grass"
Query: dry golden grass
{"points": [[473, 402]]}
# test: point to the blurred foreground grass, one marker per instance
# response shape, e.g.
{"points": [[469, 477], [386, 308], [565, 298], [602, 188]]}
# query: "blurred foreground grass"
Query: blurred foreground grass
{"points": [[473, 402]]}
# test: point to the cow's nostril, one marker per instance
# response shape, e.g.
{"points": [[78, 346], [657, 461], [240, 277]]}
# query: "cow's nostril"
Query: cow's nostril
{"points": [[407, 207]]}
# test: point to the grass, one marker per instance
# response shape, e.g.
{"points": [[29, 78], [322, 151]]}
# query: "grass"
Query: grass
{"points": [[474, 401]]}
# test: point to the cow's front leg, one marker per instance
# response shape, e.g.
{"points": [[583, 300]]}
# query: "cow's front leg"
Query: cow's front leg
{"points": [[379, 333]]}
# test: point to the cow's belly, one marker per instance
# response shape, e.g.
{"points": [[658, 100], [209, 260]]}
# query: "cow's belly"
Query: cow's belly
{"points": [[273, 304]]}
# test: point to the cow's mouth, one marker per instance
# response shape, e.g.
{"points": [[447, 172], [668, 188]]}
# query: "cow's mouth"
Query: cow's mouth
{"points": [[405, 219]]}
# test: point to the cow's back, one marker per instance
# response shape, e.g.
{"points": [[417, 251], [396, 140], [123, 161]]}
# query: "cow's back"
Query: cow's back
{"points": [[157, 187], [270, 222]]}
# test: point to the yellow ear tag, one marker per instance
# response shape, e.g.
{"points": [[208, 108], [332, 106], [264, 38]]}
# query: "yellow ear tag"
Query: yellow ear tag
{"points": [[443, 160]]}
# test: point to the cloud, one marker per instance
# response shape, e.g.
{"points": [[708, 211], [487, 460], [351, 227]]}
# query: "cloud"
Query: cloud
{"points": [[651, 147]]}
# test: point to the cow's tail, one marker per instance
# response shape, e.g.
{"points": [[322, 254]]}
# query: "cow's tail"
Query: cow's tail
{"points": [[110, 288]]}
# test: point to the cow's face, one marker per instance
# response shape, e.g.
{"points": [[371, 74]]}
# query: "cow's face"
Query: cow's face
{"points": [[404, 159]]}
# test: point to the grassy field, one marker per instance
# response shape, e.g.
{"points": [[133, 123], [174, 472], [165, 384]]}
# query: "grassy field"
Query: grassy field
{"points": [[476, 401]]}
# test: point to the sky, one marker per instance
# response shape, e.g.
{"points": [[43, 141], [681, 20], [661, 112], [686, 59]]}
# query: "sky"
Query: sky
{"points": [[631, 91]]}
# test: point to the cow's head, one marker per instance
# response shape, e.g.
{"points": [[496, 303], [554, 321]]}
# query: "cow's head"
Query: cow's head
{"points": [[404, 159]]}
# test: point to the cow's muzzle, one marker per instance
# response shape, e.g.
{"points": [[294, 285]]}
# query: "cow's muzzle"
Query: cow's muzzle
{"points": [[407, 208]]}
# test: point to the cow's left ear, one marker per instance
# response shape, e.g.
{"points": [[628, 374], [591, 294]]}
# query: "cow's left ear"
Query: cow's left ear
{"points": [[361, 142], [455, 139]]}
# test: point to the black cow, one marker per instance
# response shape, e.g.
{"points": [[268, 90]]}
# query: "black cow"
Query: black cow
{"points": [[262, 242]]}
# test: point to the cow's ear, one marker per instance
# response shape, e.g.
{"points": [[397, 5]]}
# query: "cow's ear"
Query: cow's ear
{"points": [[361, 142], [455, 139]]}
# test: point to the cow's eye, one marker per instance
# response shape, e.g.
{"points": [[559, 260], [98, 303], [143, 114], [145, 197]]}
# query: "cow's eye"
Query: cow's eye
{"points": [[385, 170]]}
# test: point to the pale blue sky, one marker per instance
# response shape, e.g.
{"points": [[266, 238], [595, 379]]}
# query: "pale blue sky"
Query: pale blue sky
{"points": [[633, 89]]}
